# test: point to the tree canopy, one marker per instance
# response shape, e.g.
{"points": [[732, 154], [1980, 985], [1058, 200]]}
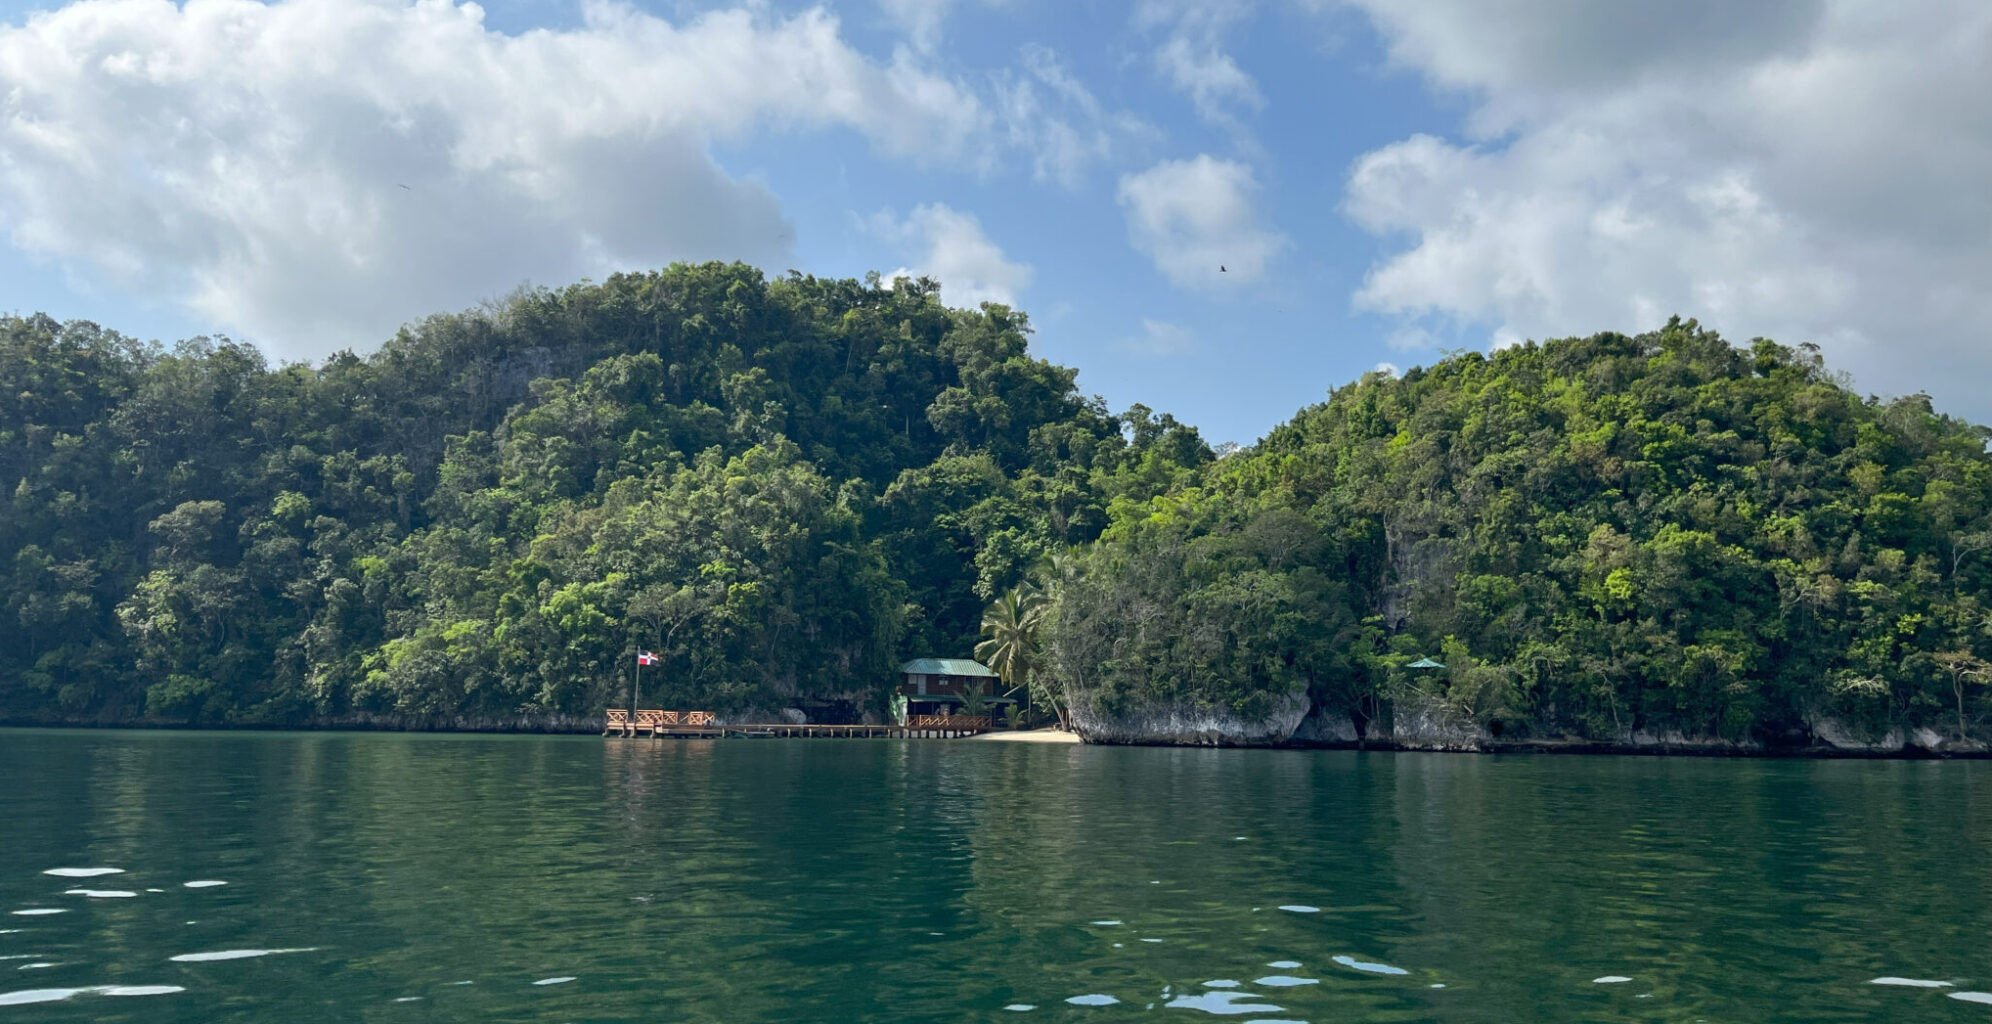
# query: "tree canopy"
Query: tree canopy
{"points": [[784, 486], [1594, 535], [779, 486]]}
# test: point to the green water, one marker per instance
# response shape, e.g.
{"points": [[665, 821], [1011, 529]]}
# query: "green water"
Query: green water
{"points": [[845, 880]]}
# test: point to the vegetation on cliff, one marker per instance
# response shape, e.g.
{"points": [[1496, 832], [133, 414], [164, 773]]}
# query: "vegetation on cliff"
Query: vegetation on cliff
{"points": [[1594, 535], [784, 486], [779, 486]]}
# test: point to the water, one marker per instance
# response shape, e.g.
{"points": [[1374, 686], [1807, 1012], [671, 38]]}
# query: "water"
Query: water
{"points": [[391, 878]]}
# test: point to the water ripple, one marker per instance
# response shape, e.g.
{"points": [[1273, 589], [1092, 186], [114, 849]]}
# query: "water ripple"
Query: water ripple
{"points": [[235, 954], [1373, 968], [1223, 1003], [56, 995]]}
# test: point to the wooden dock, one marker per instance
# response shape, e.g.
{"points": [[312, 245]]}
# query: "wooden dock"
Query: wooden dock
{"points": [[656, 724]]}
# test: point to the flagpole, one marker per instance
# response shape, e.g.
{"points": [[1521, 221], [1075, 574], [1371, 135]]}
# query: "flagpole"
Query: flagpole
{"points": [[635, 681]]}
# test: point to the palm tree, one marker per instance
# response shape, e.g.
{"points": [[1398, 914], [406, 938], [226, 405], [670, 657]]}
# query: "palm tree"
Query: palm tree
{"points": [[1011, 628]]}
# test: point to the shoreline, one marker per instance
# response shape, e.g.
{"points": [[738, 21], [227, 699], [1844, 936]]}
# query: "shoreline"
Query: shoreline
{"points": [[1053, 736], [1027, 736]]}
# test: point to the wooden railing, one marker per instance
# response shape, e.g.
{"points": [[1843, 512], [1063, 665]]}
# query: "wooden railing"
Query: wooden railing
{"points": [[618, 720], [949, 721]]}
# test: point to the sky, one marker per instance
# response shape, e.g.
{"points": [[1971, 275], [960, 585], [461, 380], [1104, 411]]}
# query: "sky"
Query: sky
{"points": [[1222, 210]]}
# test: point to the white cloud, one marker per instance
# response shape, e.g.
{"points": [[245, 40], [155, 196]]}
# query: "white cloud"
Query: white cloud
{"points": [[1196, 220], [1053, 116], [1212, 80], [247, 160], [921, 20], [970, 268], [1810, 171], [1161, 338], [1388, 369], [1193, 60]]}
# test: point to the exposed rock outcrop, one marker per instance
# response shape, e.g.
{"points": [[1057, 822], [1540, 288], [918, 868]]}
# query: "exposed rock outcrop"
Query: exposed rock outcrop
{"points": [[1325, 728], [1190, 727], [1435, 727], [1840, 736]]}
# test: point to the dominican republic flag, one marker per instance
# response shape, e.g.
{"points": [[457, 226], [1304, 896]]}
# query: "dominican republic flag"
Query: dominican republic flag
{"points": [[646, 658]]}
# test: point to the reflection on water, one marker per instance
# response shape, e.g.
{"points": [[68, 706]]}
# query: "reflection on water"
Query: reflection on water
{"points": [[235, 954], [1372, 968], [571, 879]]}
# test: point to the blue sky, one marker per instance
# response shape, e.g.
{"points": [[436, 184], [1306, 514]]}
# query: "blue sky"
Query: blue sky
{"points": [[1384, 180]]}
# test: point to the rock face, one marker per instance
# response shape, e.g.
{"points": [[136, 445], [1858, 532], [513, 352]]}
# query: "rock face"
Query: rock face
{"points": [[1934, 742], [1673, 741], [550, 722], [1325, 728], [1187, 727], [1840, 736], [1433, 727]]}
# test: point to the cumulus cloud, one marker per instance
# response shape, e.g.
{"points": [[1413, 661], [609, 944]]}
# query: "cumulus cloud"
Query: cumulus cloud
{"points": [[955, 252], [1810, 171], [313, 173], [1193, 217]]}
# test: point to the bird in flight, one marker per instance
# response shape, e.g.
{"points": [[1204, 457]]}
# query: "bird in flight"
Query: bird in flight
{"points": [[404, 186], [1220, 267]]}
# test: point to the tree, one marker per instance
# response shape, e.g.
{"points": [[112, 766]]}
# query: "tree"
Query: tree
{"points": [[1010, 627], [1965, 669]]}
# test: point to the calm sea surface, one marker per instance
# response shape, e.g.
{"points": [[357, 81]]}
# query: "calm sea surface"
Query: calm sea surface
{"points": [[286, 877]]}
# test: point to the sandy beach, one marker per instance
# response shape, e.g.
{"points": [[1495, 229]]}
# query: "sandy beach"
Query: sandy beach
{"points": [[1027, 736]]}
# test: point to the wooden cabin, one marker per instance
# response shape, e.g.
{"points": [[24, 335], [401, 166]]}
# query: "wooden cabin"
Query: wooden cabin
{"points": [[934, 686]]}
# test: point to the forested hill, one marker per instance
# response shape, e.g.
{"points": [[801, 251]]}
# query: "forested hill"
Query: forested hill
{"points": [[781, 487], [1595, 537]]}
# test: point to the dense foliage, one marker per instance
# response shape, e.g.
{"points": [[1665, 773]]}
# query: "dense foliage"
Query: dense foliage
{"points": [[780, 487], [1594, 536], [783, 487]]}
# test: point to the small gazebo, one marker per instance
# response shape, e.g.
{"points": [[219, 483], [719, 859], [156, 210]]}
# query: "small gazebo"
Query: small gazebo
{"points": [[1426, 663]]}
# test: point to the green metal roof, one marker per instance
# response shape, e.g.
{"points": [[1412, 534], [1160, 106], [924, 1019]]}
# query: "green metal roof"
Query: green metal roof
{"points": [[945, 667], [1425, 663]]}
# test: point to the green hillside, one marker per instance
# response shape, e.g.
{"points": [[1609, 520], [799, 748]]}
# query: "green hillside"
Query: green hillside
{"points": [[785, 486], [1593, 536], [781, 487]]}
